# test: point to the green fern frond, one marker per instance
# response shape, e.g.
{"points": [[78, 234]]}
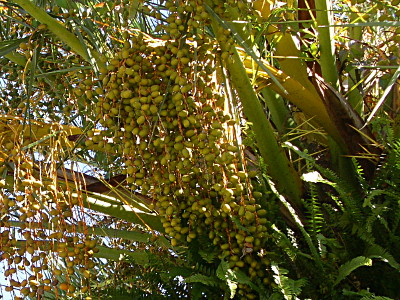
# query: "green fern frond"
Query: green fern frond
{"points": [[351, 198], [208, 256], [371, 195], [233, 278], [315, 218], [201, 254], [366, 295], [307, 238], [376, 298], [284, 243], [222, 269], [387, 180], [204, 279], [357, 229], [289, 288], [359, 173], [205, 269], [388, 169], [376, 216], [350, 266], [376, 251]]}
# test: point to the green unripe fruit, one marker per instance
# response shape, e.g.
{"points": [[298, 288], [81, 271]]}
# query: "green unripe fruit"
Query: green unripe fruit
{"points": [[129, 62], [126, 94], [224, 246], [251, 208], [169, 211], [89, 143], [257, 195], [239, 237], [252, 229], [249, 239], [240, 264], [172, 177], [242, 175], [210, 157], [216, 133], [114, 111], [184, 230], [106, 106], [262, 212], [228, 193], [226, 208], [185, 153], [189, 133], [262, 221], [153, 109], [186, 178], [249, 216], [186, 89], [234, 179], [140, 120], [216, 125], [125, 54], [185, 60], [241, 211], [178, 146]]}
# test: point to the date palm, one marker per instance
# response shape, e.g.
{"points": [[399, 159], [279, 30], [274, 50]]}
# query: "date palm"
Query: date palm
{"points": [[171, 139]]}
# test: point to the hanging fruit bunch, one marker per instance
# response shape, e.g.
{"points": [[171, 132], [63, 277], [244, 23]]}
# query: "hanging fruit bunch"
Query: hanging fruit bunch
{"points": [[162, 106], [43, 232]]}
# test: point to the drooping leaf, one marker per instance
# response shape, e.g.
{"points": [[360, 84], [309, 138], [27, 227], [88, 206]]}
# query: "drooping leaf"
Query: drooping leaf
{"points": [[352, 265]]}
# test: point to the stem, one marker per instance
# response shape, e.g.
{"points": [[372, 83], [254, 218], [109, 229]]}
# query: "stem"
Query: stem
{"points": [[279, 167], [101, 231], [139, 256], [327, 50], [356, 51], [277, 108], [151, 221]]}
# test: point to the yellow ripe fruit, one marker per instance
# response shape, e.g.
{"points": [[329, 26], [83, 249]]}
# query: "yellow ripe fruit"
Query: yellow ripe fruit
{"points": [[64, 286], [86, 274], [42, 27], [71, 289], [23, 46], [47, 288], [34, 283], [25, 291]]}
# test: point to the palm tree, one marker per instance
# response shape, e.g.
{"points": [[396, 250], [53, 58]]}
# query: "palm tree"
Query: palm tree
{"points": [[165, 147]]}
